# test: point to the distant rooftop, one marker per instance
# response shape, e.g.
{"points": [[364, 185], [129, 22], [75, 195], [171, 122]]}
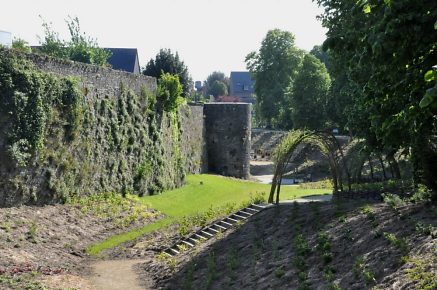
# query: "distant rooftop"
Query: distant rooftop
{"points": [[242, 86], [125, 59]]}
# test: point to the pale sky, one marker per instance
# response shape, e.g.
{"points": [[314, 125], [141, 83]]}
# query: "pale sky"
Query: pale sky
{"points": [[209, 35]]}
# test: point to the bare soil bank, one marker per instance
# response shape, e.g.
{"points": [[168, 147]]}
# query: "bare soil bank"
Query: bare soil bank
{"points": [[350, 245]]}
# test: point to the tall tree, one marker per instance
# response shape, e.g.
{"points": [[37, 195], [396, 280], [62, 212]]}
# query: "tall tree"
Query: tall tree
{"points": [[216, 84], [338, 98], [309, 95], [274, 68], [385, 48], [218, 88], [168, 62]]}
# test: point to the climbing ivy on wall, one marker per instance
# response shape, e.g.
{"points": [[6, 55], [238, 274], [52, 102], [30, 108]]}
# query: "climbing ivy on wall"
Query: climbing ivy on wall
{"points": [[28, 97], [68, 140]]}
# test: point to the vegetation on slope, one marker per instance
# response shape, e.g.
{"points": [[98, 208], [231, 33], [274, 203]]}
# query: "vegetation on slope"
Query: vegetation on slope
{"points": [[203, 194]]}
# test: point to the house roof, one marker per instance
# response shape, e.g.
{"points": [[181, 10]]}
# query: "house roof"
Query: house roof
{"points": [[125, 59], [241, 81]]}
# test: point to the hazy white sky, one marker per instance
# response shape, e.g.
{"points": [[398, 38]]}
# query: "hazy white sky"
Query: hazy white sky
{"points": [[209, 35]]}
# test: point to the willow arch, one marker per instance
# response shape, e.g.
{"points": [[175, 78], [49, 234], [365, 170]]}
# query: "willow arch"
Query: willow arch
{"points": [[328, 145]]}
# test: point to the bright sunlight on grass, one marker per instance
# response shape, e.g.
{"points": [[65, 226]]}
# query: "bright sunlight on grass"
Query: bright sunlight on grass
{"points": [[198, 194]]}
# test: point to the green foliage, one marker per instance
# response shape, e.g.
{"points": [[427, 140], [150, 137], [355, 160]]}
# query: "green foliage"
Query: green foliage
{"points": [[166, 62], [218, 88], [123, 211], [80, 47], [421, 274], [385, 53], [216, 84], [401, 244], [424, 229], [274, 68], [29, 97], [21, 45], [322, 184], [301, 246], [199, 193], [393, 200], [71, 106], [421, 193], [309, 95], [169, 92], [279, 272]]}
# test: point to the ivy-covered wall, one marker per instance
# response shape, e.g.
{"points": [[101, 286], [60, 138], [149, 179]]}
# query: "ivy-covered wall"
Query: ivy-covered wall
{"points": [[74, 129]]}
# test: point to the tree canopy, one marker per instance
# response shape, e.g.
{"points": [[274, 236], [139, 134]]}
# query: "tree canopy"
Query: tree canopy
{"points": [[386, 51], [308, 97], [274, 68], [168, 62], [216, 84]]}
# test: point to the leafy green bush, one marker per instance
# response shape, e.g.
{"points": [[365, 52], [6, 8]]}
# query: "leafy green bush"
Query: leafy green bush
{"points": [[80, 47], [29, 96], [422, 193], [170, 92], [393, 200]]}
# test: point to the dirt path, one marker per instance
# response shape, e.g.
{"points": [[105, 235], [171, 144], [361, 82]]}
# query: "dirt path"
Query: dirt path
{"points": [[116, 275]]}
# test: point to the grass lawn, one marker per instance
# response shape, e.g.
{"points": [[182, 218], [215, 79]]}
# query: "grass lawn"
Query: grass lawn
{"points": [[198, 194]]}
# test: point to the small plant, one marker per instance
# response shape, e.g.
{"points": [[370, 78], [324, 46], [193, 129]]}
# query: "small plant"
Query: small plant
{"points": [[422, 193], [258, 198], [360, 268], [279, 272], [359, 265], [172, 264], [401, 244], [394, 201], [369, 277], [348, 235], [329, 274], [302, 276], [32, 233], [424, 229], [368, 211], [301, 246], [182, 248], [163, 257], [6, 227], [334, 286]]}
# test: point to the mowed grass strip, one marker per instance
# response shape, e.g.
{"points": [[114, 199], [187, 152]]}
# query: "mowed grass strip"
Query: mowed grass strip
{"points": [[198, 194]]}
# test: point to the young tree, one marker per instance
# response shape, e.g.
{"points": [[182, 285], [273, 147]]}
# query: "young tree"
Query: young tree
{"points": [[170, 92], [80, 47], [308, 97], [167, 62], [274, 68]]}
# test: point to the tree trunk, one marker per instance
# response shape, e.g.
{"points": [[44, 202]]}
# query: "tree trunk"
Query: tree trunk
{"points": [[394, 163], [278, 189], [371, 169], [382, 166]]}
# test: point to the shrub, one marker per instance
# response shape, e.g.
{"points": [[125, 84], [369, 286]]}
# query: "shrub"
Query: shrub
{"points": [[170, 92], [393, 200]]}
